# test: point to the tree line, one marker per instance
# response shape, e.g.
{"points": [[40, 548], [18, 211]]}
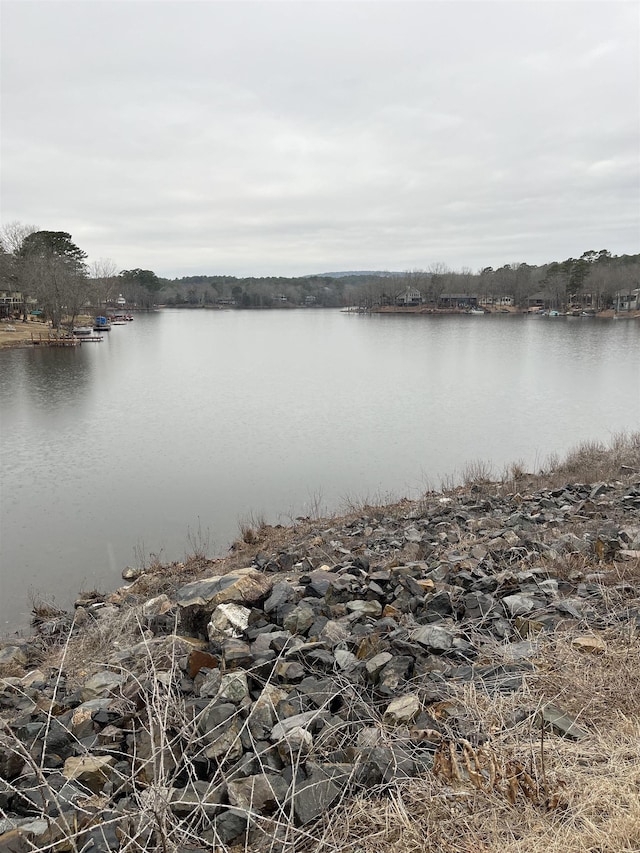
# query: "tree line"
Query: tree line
{"points": [[53, 276], [592, 280], [51, 272]]}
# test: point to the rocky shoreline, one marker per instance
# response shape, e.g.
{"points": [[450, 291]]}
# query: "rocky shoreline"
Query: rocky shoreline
{"points": [[245, 703]]}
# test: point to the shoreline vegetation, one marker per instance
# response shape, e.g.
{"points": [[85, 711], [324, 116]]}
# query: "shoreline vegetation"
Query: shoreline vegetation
{"points": [[450, 674]]}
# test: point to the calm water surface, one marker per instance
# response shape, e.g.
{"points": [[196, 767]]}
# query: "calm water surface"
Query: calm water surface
{"points": [[192, 420]]}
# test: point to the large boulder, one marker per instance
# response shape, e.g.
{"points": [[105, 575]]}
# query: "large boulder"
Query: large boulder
{"points": [[197, 601], [246, 586]]}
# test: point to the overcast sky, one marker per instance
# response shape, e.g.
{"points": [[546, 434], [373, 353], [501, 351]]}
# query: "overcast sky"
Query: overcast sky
{"points": [[259, 138]]}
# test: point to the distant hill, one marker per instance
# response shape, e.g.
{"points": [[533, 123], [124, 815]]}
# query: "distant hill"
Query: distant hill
{"points": [[347, 273]]}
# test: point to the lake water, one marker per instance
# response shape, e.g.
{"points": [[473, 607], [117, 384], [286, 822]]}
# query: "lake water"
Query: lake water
{"points": [[182, 423]]}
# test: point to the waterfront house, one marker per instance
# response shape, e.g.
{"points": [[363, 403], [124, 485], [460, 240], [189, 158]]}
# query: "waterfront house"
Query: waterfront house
{"points": [[13, 302], [498, 301], [539, 300], [409, 296], [628, 300], [457, 300]]}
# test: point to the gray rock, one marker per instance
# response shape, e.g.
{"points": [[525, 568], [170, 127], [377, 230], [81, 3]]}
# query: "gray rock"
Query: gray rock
{"points": [[313, 797], [380, 764], [282, 593], [365, 608], [131, 574], [304, 720], [157, 606], [300, 619], [104, 683], [376, 664], [438, 606], [434, 638], [236, 653], [228, 620], [233, 688], [230, 824], [261, 792], [562, 724], [346, 661], [11, 762], [245, 586], [518, 605], [394, 674], [227, 746], [294, 744], [478, 605], [197, 796], [207, 684], [402, 709], [93, 771]]}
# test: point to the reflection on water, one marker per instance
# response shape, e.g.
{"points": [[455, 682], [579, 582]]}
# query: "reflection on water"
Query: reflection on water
{"points": [[49, 378], [187, 418]]}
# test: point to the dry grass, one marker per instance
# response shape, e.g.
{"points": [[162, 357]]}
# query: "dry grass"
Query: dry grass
{"points": [[570, 797], [599, 810], [591, 461], [599, 687]]}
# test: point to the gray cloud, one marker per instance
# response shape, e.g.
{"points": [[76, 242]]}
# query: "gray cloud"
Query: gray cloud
{"points": [[291, 137]]}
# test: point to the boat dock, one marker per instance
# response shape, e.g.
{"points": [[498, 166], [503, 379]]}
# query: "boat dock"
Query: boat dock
{"points": [[53, 340]]}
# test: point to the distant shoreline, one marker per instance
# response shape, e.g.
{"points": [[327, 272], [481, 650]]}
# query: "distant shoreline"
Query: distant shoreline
{"points": [[18, 334]]}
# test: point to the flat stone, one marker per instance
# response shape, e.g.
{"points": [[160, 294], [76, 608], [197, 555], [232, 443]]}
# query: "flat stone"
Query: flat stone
{"points": [[198, 660], [346, 661], [434, 638], [518, 605], [402, 709], [94, 771], [365, 608], [562, 724], [592, 644], [376, 664], [101, 684], [304, 720]]}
